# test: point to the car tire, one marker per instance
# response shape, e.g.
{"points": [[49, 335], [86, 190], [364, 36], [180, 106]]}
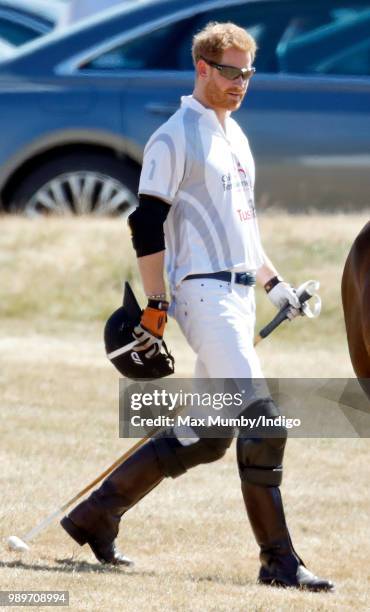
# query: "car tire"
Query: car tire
{"points": [[76, 184]]}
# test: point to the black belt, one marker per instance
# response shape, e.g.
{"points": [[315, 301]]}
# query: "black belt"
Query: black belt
{"points": [[241, 278]]}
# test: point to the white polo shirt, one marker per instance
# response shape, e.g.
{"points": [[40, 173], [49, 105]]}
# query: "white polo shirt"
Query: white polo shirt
{"points": [[207, 175]]}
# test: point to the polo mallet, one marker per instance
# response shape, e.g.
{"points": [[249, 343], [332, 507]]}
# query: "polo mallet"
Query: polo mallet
{"points": [[305, 292]]}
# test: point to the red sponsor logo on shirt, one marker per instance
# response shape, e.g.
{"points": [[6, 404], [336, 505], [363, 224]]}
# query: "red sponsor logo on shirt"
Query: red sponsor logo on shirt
{"points": [[246, 214]]}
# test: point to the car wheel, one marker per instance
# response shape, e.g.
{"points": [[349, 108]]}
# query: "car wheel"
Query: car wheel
{"points": [[79, 184]]}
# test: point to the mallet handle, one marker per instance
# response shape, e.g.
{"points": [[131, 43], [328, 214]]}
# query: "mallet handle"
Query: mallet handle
{"points": [[110, 469], [279, 318]]}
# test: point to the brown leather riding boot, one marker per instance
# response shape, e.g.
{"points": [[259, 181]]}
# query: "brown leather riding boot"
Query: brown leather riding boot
{"points": [[95, 521], [280, 564]]}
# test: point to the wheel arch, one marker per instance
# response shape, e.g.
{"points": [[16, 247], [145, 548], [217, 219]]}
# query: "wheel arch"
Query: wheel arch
{"points": [[19, 167]]}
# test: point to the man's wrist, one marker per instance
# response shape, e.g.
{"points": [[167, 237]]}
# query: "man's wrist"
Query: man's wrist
{"points": [[272, 282], [158, 304]]}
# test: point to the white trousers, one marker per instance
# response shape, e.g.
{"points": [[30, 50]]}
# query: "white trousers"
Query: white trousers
{"points": [[218, 319]]}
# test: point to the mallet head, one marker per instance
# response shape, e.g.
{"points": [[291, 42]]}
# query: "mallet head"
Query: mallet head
{"points": [[16, 544]]}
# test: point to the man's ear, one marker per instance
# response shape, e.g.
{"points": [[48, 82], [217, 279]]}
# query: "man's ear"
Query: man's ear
{"points": [[202, 68]]}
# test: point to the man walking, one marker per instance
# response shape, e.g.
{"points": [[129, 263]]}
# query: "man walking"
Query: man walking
{"points": [[197, 208]]}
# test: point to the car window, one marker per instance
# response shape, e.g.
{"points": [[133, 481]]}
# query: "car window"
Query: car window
{"points": [[279, 29], [169, 47], [152, 51], [340, 47], [354, 61], [16, 33]]}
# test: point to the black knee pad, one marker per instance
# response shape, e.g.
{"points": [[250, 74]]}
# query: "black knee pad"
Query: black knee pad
{"points": [[260, 458], [175, 458]]}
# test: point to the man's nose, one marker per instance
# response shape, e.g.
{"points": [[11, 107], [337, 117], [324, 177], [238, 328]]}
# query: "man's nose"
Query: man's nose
{"points": [[240, 82]]}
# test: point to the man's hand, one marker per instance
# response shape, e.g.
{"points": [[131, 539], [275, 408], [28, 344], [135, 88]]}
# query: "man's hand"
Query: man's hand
{"points": [[281, 294], [150, 331]]}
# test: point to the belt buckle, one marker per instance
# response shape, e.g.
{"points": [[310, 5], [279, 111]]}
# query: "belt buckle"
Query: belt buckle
{"points": [[246, 279]]}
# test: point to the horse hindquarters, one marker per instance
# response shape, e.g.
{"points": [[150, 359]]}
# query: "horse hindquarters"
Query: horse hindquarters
{"points": [[356, 302]]}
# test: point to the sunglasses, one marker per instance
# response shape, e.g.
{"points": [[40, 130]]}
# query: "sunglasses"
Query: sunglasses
{"points": [[231, 72]]}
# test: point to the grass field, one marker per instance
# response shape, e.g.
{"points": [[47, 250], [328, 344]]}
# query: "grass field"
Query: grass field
{"points": [[190, 538]]}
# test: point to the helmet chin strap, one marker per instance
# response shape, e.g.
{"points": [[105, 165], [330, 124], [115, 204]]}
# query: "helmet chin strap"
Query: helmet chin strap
{"points": [[122, 350]]}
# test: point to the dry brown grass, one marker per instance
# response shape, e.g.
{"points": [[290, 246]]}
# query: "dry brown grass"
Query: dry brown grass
{"points": [[190, 538]]}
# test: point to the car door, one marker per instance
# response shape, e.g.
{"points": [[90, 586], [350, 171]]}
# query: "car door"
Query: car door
{"points": [[151, 83]]}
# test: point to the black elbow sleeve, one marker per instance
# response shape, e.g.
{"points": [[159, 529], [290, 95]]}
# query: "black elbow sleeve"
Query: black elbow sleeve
{"points": [[146, 224]]}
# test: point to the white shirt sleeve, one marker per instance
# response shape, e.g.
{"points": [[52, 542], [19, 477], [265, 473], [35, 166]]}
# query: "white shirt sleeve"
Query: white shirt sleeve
{"points": [[163, 164]]}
